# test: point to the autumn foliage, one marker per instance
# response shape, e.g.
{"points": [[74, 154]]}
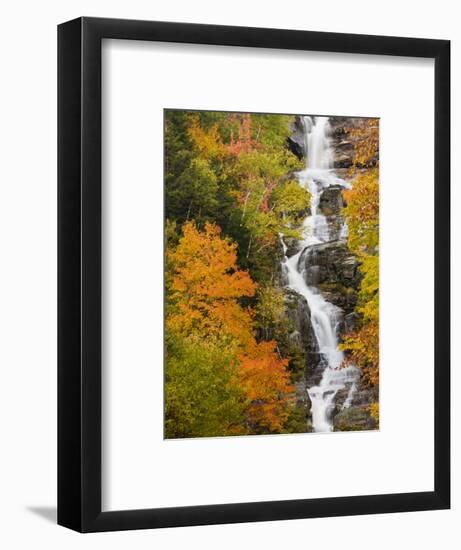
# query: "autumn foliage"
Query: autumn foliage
{"points": [[205, 309], [362, 214], [207, 285], [230, 195]]}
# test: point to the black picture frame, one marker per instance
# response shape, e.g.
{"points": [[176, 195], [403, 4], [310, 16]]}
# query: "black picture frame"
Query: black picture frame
{"points": [[79, 274]]}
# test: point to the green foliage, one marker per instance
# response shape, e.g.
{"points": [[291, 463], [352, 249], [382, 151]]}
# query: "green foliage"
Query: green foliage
{"points": [[195, 193], [201, 399], [272, 130], [270, 310], [297, 422], [369, 289], [290, 202]]}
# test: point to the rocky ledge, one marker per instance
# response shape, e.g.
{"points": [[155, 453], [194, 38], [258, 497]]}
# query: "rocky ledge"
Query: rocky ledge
{"points": [[334, 269]]}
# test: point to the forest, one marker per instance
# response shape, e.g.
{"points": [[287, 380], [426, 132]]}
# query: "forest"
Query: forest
{"points": [[232, 198]]}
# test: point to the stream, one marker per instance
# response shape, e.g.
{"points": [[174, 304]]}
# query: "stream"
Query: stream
{"points": [[318, 175]]}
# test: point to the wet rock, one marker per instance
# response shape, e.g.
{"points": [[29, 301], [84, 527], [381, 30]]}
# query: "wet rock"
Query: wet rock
{"points": [[345, 140], [331, 204], [335, 228], [341, 397], [331, 201], [354, 419], [295, 141], [303, 336], [334, 263], [351, 321], [293, 246], [363, 397], [343, 297], [299, 313], [343, 161], [334, 270]]}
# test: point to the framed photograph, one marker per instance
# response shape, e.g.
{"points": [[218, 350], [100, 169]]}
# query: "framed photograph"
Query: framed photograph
{"points": [[254, 314]]}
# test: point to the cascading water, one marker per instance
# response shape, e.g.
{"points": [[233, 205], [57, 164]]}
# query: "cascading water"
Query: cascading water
{"points": [[317, 175]]}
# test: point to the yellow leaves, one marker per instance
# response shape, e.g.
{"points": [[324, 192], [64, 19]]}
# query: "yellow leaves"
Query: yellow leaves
{"points": [[374, 411], [207, 142], [366, 142], [363, 348], [362, 212]]}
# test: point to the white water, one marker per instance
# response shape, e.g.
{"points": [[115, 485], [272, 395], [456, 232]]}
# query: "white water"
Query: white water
{"points": [[317, 175]]}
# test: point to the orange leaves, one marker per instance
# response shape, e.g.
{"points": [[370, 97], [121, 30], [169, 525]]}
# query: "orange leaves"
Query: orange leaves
{"points": [[207, 283], [266, 382], [204, 292], [209, 143]]}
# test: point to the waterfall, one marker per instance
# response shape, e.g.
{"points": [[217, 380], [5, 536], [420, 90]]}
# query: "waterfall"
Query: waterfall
{"points": [[317, 175]]}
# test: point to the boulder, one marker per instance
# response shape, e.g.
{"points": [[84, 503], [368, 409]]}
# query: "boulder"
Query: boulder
{"points": [[331, 201], [299, 313], [343, 161], [293, 246], [351, 322], [343, 297], [331, 263], [354, 419], [295, 141], [344, 141], [303, 336]]}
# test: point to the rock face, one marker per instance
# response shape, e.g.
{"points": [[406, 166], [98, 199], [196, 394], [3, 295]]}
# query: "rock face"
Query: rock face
{"points": [[334, 269], [356, 417], [353, 419], [303, 338], [331, 201], [299, 314], [330, 205], [296, 140], [293, 246], [344, 140]]}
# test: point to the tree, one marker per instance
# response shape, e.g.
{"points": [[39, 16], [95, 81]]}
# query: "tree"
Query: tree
{"points": [[194, 194], [266, 383], [362, 214], [204, 309], [366, 143], [290, 202], [202, 398], [207, 285], [228, 197]]}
